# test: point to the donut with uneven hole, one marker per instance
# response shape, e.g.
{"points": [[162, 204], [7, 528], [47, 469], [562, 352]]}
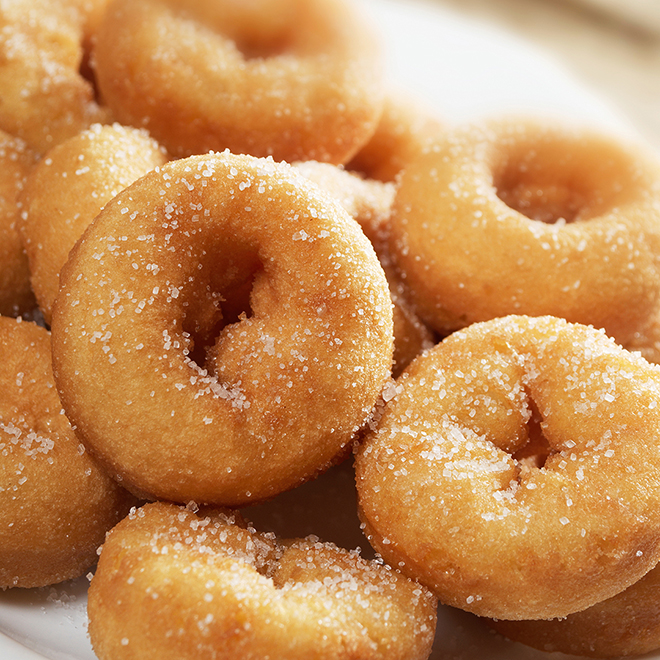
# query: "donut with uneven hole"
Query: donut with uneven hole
{"points": [[295, 80], [525, 218], [173, 584], [451, 493], [69, 187], [56, 504], [163, 276]]}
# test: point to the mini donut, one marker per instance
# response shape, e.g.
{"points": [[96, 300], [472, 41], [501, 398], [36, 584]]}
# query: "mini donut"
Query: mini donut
{"points": [[294, 79], [16, 161], [173, 584], [56, 504], [182, 386], [525, 218], [370, 202], [405, 127], [451, 494], [45, 99], [624, 625], [69, 187]]}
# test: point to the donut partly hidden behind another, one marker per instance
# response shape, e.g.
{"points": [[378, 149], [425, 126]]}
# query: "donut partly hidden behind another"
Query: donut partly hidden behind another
{"points": [[515, 470], [56, 504], [16, 162], [293, 79], [68, 188], [519, 217], [45, 97], [172, 584], [222, 331]]}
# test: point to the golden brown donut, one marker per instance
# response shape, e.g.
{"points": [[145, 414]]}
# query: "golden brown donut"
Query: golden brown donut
{"points": [[624, 625], [164, 273], [67, 190], [405, 127], [45, 99], [172, 584], [525, 218], [55, 502], [16, 161], [294, 79], [449, 496]]}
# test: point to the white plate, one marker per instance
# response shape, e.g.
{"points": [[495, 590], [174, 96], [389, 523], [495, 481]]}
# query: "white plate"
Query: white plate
{"points": [[465, 71]]}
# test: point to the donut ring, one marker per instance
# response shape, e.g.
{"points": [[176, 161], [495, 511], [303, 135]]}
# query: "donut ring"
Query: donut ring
{"points": [[56, 504], [16, 161], [45, 99], [447, 495], [164, 271], [295, 80], [624, 625], [218, 590], [462, 236], [67, 190]]}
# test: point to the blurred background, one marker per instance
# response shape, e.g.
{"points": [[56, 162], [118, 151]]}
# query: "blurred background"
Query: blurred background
{"points": [[613, 46]]}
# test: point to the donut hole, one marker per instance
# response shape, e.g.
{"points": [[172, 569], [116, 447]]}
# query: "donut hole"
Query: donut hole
{"points": [[545, 202], [560, 181], [258, 30], [536, 451], [538, 192], [218, 295], [252, 48]]}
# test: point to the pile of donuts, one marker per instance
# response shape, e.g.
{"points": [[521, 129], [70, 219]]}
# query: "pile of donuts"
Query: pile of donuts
{"points": [[234, 261]]}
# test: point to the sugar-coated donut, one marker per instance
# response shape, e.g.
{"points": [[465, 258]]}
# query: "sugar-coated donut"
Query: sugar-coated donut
{"points": [[403, 130], [173, 584], [294, 79], [624, 625], [56, 504], [45, 99], [525, 218], [16, 161], [450, 494], [67, 190], [164, 272]]}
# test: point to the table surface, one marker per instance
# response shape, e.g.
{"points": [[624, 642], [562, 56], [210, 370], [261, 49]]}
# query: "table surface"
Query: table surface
{"points": [[616, 55]]}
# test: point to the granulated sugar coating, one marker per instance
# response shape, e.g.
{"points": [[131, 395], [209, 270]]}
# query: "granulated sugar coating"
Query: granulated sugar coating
{"points": [[172, 584], [291, 79], [69, 187], [56, 504], [450, 493], [522, 217], [222, 331]]}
